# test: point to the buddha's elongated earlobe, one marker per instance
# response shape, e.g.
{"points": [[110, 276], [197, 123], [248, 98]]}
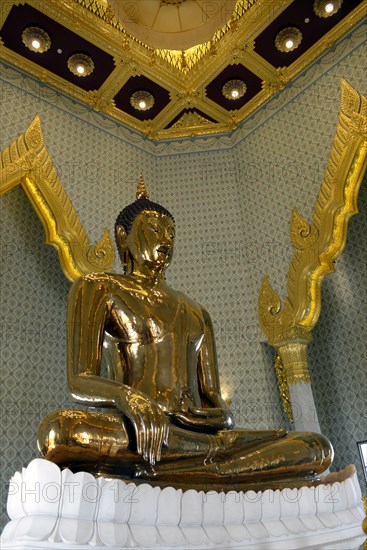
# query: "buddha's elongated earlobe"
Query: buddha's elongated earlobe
{"points": [[122, 244]]}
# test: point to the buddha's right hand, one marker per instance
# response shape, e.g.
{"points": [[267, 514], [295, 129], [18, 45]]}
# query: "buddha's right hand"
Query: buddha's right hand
{"points": [[149, 421]]}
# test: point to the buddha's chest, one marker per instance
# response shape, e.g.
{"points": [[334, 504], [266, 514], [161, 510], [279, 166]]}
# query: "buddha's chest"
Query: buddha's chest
{"points": [[152, 318]]}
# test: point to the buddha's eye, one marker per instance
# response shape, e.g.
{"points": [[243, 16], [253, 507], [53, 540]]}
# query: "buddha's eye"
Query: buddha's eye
{"points": [[154, 227]]}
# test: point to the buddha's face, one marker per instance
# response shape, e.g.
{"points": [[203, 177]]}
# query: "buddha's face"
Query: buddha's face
{"points": [[150, 241]]}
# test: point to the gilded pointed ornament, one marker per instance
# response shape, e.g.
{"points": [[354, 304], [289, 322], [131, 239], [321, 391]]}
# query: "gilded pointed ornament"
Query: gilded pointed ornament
{"points": [[142, 191]]}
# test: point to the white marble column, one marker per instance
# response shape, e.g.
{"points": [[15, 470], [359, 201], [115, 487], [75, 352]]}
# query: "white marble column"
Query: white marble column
{"points": [[294, 358]]}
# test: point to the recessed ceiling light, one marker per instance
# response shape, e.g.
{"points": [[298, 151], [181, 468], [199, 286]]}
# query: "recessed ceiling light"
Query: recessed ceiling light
{"points": [[288, 39], [80, 64], [234, 89], [326, 8], [142, 100], [36, 39]]}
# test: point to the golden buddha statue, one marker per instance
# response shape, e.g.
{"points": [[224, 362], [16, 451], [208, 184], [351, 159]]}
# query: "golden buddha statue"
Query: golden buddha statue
{"points": [[158, 415]]}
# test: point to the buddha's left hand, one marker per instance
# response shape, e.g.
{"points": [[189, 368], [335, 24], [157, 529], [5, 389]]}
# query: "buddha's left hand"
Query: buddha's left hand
{"points": [[203, 418]]}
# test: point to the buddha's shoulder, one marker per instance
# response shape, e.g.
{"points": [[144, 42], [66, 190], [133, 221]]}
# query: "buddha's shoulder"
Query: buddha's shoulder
{"points": [[103, 280], [113, 285], [194, 306]]}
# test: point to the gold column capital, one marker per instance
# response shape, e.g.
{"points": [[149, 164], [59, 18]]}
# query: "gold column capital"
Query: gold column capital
{"points": [[294, 358]]}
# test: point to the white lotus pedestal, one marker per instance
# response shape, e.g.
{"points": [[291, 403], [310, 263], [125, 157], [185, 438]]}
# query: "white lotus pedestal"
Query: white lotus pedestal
{"points": [[53, 509]]}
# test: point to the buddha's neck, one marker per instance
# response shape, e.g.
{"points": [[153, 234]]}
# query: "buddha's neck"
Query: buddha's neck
{"points": [[150, 276]]}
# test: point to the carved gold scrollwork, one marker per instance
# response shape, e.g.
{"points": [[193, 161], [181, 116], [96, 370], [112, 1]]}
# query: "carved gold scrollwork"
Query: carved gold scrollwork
{"points": [[303, 234], [318, 244], [283, 387], [27, 162]]}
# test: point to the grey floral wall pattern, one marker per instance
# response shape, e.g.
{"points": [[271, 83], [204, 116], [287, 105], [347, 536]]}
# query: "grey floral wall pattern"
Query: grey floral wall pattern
{"points": [[232, 199]]}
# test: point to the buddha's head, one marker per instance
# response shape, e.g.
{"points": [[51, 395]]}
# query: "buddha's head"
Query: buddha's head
{"points": [[145, 232]]}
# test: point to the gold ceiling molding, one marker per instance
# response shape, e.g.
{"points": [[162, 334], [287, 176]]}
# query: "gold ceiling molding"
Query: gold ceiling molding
{"points": [[27, 162], [184, 74], [317, 244], [191, 120]]}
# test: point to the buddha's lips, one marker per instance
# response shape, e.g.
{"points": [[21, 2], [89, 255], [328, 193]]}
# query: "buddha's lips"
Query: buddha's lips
{"points": [[164, 249]]}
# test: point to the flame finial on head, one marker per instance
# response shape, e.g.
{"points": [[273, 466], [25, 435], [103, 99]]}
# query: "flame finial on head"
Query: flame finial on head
{"points": [[142, 191], [141, 204]]}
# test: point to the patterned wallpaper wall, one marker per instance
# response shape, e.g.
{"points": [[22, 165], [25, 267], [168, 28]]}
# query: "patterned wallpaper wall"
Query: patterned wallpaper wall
{"points": [[232, 199]]}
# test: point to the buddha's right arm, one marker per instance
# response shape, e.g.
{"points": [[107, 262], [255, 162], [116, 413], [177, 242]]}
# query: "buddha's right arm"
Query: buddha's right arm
{"points": [[89, 310]]}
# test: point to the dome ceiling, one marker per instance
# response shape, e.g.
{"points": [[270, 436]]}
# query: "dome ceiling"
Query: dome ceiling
{"points": [[172, 68], [172, 24]]}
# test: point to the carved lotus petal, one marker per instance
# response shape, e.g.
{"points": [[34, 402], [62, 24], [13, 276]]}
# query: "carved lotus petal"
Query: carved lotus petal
{"points": [[41, 488], [238, 533], [172, 536], [213, 509], [76, 531], [146, 536], [35, 528], [233, 508], [252, 506], [192, 508], [351, 492], [308, 509], [115, 501], [192, 517], [324, 503], [144, 505], [252, 512], [290, 510], [213, 516], [81, 493], [341, 504], [14, 505], [169, 506], [217, 534], [113, 534], [271, 512]]}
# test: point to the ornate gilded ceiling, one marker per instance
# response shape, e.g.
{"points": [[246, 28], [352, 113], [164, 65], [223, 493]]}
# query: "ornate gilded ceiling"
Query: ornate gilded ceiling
{"points": [[168, 93]]}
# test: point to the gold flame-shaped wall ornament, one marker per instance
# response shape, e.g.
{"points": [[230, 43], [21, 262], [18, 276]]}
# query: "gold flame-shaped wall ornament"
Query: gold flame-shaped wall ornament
{"points": [[317, 244], [27, 162]]}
